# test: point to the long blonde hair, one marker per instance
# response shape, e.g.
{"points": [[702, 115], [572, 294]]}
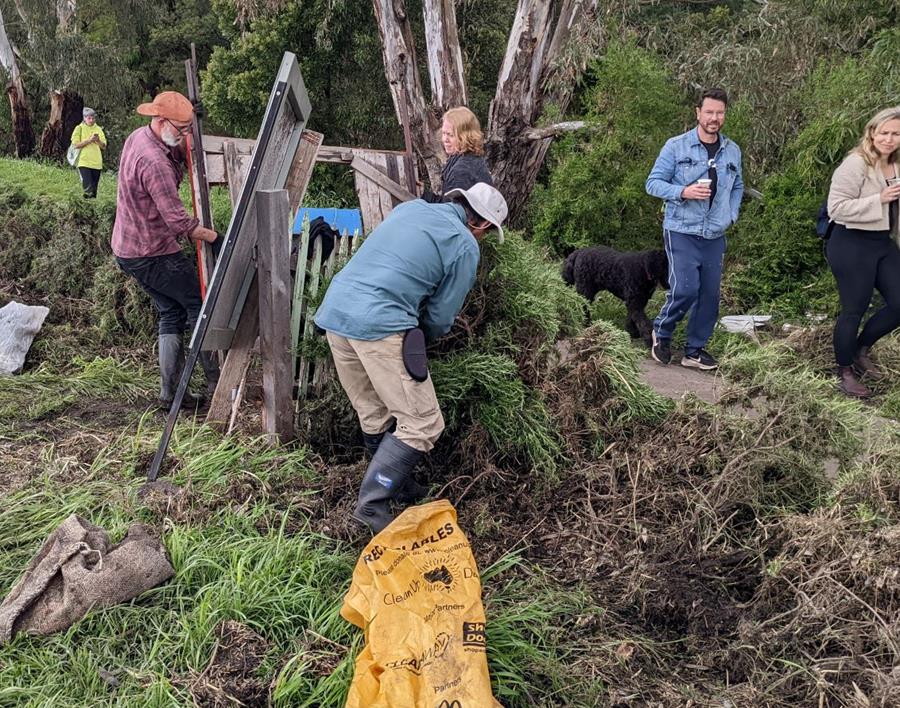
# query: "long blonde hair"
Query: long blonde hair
{"points": [[866, 146], [468, 129]]}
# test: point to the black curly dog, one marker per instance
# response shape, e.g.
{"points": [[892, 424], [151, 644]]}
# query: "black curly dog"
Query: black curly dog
{"points": [[632, 277]]}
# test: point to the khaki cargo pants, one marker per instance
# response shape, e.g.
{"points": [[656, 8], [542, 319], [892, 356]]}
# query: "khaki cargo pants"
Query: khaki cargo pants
{"points": [[380, 390]]}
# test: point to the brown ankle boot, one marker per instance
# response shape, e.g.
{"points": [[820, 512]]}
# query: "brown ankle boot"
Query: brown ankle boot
{"points": [[864, 365], [849, 384]]}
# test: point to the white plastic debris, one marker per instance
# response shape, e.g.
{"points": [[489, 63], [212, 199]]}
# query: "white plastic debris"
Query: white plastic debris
{"points": [[18, 326], [743, 324]]}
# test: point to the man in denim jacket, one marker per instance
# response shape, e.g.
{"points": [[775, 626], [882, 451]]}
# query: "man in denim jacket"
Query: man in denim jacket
{"points": [[698, 174]]}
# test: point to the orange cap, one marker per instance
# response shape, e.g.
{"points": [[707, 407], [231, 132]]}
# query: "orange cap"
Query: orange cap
{"points": [[168, 104]]}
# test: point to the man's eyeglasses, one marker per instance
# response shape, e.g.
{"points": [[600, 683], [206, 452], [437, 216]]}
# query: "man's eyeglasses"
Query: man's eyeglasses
{"points": [[181, 131]]}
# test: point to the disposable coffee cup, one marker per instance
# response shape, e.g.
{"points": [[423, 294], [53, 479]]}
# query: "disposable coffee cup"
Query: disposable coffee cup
{"points": [[704, 182]]}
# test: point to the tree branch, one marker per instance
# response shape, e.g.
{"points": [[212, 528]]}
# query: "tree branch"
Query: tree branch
{"points": [[552, 131]]}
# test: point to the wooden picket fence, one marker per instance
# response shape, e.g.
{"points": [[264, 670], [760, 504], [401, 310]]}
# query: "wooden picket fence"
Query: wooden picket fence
{"points": [[312, 374]]}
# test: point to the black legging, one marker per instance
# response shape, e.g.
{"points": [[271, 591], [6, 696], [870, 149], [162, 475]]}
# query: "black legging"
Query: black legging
{"points": [[861, 262]]}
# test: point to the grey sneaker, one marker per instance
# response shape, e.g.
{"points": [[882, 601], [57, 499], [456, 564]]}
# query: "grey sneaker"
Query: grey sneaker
{"points": [[660, 350], [700, 359]]}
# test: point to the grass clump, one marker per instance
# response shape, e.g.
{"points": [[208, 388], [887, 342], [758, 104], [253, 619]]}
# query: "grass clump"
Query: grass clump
{"points": [[38, 393], [486, 390], [827, 422]]}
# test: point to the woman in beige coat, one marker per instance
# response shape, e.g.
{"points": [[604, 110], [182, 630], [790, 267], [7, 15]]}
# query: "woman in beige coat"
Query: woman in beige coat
{"points": [[863, 251]]}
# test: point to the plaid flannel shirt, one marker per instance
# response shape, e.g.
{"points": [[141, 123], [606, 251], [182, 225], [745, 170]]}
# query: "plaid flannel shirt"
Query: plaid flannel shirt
{"points": [[150, 217]]}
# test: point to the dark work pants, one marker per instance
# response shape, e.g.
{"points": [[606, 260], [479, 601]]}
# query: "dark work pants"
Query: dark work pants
{"points": [[173, 284], [90, 178], [863, 261], [695, 272]]}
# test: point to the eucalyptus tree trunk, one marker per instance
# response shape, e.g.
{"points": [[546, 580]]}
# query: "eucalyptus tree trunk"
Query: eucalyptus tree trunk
{"points": [[547, 48], [398, 49], [65, 114], [65, 14], [542, 64], [65, 104], [23, 132]]}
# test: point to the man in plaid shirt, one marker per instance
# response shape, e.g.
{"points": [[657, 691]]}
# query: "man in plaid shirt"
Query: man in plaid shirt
{"points": [[150, 220]]}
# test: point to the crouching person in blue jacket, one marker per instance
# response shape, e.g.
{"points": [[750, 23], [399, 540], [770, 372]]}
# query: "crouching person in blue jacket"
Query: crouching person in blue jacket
{"points": [[698, 174], [405, 284]]}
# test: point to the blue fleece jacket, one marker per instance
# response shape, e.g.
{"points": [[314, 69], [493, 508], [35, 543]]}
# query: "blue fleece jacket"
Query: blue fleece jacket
{"points": [[414, 269]]}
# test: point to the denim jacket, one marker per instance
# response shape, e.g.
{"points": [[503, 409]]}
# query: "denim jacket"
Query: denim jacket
{"points": [[682, 161]]}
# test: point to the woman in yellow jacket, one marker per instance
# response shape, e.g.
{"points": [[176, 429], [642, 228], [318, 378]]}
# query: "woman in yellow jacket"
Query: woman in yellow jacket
{"points": [[90, 139], [863, 249]]}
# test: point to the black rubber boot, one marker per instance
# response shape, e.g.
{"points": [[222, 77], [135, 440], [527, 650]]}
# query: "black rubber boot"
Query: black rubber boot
{"points": [[412, 491], [372, 442], [384, 480], [171, 363], [211, 371]]}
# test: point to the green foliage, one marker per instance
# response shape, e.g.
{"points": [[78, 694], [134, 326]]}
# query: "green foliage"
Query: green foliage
{"points": [[337, 45], [595, 194], [619, 362], [525, 293], [776, 252], [761, 53], [486, 389]]}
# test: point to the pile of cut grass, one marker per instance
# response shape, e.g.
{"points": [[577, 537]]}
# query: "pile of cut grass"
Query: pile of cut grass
{"points": [[55, 245]]}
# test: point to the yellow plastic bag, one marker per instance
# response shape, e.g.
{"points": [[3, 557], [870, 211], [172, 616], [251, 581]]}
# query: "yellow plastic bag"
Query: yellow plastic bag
{"points": [[417, 594]]}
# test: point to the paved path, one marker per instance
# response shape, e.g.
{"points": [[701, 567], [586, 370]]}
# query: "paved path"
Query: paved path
{"points": [[675, 380]]}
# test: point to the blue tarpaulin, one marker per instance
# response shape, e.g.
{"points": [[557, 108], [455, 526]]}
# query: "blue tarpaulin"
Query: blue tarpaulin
{"points": [[348, 220]]}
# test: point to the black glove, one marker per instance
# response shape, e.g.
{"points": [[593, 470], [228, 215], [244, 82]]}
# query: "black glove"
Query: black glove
{"points": [[199, 110]]}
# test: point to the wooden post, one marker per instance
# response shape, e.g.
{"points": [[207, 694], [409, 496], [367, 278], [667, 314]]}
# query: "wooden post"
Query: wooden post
{"points": [[273, 234], [299, 294], [230, 390]]}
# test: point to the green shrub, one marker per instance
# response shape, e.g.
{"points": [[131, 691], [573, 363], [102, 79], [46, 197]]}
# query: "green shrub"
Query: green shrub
{"points": [[595, 193]]}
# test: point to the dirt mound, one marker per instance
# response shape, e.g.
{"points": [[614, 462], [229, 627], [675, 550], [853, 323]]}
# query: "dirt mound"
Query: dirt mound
{"points": [[231, 676]]}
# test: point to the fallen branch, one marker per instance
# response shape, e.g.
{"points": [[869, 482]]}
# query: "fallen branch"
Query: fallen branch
{"points": [[551, 131]]}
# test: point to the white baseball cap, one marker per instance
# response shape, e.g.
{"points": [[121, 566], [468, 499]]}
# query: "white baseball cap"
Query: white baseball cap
{"points": [[485, 201]]}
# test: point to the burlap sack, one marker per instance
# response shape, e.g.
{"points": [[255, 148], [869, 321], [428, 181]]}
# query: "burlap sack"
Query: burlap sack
{"points": [[417, 594], [76, 570]]}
